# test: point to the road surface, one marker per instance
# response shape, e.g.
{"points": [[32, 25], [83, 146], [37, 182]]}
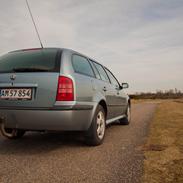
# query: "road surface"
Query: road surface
{"points": [[62, 157]]}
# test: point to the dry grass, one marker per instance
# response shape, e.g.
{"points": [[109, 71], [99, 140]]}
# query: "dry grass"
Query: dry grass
{"points": [[164, 149], [136, 101]]}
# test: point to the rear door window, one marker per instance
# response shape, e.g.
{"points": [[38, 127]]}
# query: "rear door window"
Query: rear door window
{"points": [[95, 70], [40, 60], [102, 72], [112, 79], [81, 65]]}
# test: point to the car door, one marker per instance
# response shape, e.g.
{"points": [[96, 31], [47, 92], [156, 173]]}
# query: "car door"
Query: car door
{"points": [[106, 89], [120, 98]]}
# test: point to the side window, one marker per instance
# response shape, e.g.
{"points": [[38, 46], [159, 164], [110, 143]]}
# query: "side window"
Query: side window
{"points": [[112, 78], [82, 66], [102, 72], [95, 70]]}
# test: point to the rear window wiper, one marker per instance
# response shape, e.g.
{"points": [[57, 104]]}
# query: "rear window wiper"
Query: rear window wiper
{"points": [[30, 70]]}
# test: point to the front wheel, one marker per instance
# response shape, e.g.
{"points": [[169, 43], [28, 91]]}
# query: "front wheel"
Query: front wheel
{"points": [[95, 135], [126, 120], [11, 133]]}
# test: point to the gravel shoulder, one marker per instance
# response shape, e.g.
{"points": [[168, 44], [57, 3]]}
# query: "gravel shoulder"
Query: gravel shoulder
{"points": [[62, 157]]}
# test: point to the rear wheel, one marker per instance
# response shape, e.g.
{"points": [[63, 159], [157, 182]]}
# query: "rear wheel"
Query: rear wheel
{"points": [[127, 118], [95, 135], [11, 133]]}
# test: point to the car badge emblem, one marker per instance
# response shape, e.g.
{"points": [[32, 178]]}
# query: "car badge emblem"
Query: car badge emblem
{"points": [[13, 77]]}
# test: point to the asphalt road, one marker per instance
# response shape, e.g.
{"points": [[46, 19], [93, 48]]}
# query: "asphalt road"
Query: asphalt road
{"points": [[62, 157]]}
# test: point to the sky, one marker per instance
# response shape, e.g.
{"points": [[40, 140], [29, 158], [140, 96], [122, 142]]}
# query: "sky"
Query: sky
{"points": [[140, 41]]}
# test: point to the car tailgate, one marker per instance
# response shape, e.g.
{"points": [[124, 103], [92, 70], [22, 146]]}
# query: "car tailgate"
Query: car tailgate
{"points": [[42, 85]]}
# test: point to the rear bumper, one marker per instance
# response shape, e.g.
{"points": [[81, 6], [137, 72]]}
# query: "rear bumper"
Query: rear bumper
{"points": [[65, 119]]}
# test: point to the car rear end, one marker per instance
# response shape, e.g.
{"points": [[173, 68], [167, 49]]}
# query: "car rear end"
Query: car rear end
{"points": [[35, 94]]}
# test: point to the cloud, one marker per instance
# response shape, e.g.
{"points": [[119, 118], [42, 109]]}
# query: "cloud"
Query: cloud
{"points": [[140, 41]]}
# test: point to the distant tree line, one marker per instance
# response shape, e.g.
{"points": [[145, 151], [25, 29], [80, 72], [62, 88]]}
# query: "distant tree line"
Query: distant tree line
{"points": [[159, 94]]}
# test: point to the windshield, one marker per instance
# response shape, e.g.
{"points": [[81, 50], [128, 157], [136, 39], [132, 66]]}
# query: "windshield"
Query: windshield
{"points": [[41, 60]]}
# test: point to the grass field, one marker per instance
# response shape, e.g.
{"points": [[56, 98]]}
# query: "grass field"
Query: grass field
{"points": [[164, 149]]}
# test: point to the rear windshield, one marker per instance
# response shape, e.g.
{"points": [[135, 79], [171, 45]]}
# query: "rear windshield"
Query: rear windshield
{"points": [[42, 60]]}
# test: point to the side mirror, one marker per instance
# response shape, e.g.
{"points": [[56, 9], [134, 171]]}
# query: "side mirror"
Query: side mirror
{"points": [[124, 85]]}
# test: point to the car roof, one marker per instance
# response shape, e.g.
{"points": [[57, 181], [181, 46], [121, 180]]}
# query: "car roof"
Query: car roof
{"points": [[53, 48], [57, 48]]}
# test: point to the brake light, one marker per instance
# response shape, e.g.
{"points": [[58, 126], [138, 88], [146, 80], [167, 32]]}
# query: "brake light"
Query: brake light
{"points": [[65, 90]]}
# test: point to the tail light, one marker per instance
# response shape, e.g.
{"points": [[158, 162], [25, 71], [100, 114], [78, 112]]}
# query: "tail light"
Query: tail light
{"points": [[65, 90]]}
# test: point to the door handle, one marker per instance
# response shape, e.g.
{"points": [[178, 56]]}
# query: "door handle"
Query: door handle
{"points": [[104, 89]]}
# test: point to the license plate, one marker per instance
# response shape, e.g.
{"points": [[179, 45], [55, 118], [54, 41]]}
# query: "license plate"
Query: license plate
{"points": [[16, 93]]}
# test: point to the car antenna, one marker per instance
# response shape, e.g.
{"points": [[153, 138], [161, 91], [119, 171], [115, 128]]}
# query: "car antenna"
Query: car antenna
{"points": [[34, 23]]}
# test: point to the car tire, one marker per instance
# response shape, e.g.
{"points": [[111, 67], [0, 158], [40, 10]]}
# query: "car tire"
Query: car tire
{"points": [[96, 133], [11, 133], [126, 120]]}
